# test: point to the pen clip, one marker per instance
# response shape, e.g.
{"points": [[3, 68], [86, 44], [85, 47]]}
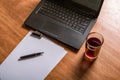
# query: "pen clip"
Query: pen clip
{"points": [[36, 34]]}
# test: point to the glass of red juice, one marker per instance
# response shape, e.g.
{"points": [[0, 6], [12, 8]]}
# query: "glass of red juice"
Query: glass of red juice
{"points": [[93, 45]]}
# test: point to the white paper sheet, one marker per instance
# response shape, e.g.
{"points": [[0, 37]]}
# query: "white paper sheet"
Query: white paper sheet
{"points": [[31, 69]]}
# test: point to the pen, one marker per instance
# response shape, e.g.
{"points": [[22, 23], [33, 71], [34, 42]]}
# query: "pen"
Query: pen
{"points": [[30, 56]]}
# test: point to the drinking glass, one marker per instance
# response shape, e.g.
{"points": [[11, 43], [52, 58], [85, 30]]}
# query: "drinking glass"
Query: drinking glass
{"points": [[93, 45]]}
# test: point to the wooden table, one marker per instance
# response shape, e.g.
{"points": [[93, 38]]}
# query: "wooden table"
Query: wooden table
{"points": [[13, 13]]}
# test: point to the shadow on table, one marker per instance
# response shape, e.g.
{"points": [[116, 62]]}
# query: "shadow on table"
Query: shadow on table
{"points": [[82, 68]]}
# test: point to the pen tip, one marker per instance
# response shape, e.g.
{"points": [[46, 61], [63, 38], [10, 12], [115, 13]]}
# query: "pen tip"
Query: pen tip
{"points": [[19, 59]]}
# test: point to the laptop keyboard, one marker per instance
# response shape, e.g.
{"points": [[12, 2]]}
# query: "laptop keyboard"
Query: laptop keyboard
{"points": [[75, 19]]}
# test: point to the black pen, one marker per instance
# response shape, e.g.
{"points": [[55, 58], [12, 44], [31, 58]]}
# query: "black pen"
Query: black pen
{"points": [[30, 56]]}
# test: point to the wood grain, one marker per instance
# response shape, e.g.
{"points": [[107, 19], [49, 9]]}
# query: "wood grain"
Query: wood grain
{"points": [[13, 13]]}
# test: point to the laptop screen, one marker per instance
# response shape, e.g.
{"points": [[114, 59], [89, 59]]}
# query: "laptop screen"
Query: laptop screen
{"points": [[93, 4]]}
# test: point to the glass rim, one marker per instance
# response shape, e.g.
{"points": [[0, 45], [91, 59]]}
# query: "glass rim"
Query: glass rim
{"points": [[101, 41]]}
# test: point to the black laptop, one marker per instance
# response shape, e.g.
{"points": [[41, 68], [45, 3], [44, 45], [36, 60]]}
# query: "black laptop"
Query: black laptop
{"points": [[68, 21]]}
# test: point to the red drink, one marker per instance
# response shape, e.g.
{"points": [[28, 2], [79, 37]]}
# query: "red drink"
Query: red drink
{"points": [[93, 45]]}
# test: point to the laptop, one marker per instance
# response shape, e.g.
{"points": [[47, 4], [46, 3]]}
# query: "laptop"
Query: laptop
{"points": [[68, 21]]}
